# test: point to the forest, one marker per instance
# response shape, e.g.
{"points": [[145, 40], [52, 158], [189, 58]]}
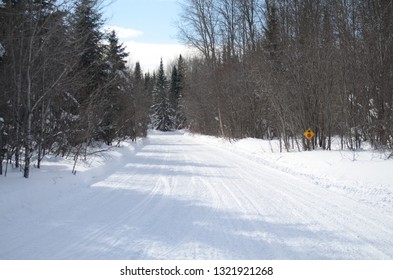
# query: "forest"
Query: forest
{"points": [[266, 69], [274, 68], [64, 82]]}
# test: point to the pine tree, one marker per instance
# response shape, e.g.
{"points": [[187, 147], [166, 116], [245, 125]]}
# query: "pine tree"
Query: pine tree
{"points": [[143, 101], [181, 78], [116, 54], [161, 115], [174, 93], [138, 76], [86, 27], [115, 101]]}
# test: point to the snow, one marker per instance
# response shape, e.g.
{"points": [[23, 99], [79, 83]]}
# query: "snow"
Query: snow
{"points": [[181, 196], [366, 175]]}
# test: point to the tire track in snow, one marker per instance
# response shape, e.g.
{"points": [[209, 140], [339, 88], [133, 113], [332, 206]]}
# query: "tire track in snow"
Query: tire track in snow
{"points": [[188, 235], [192, 189], [286, 200], [132, 216], [312, 202], [237, 202]]}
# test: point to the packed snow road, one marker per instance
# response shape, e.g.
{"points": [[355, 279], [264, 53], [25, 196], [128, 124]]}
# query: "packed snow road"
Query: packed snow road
{"points": [[179, 198]]}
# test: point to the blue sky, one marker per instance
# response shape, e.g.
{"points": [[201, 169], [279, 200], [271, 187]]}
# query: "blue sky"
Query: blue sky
{"points": [[147, 28]]}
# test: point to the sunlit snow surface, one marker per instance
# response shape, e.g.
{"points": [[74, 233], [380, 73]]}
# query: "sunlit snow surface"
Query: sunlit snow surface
{"points": [[182, 196]]}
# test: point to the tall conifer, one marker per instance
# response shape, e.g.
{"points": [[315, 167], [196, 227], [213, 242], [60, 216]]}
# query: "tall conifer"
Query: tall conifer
{"points": [[162, 112]]}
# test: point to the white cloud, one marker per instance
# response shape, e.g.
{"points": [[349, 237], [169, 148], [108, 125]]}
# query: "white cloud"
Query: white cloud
{"points": [[149, 54], [125, 33]]}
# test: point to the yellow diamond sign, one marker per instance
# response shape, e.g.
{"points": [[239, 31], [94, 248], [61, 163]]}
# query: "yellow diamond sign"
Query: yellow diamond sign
{"points": [[309, 134]]}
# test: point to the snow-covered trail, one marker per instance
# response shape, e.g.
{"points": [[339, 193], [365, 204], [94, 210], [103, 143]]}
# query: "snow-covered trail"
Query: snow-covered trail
{"points": [[179, 198]]}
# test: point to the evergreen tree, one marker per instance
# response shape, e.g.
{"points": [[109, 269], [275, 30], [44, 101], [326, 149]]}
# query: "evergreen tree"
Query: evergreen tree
{"points": [[115, 101], [175, 95], [181, 82], [143, 101], [149, 83], [86, 26], [162, 111], [138, 76], [116, 54]]}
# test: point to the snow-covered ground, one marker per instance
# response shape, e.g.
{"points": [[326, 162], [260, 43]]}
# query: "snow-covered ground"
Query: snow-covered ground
{"points": [[182, 196]]}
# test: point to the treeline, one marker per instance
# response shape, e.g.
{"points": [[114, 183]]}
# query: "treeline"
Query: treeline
{"points": [[272, 69], [64, 83]]}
